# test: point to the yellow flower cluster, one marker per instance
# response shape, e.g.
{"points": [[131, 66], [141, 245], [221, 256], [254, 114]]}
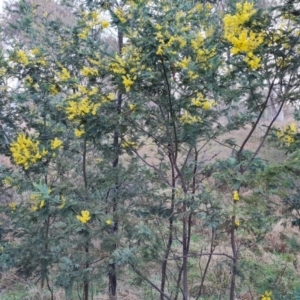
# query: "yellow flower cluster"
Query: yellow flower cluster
{"points": [[267, 295], [84, 217], [127, 68], [166, 41], [88, 72], [128, 81], [187, 118], [26, 152], [13, 206], [37, 202], [236, 196], [120, 14], [41, 61], [35, 51], [132, 107], [64, 75], [197, 44], [79, 132], [128, 144], [79, 109], [2, 72], [83, 35], [287, 135], [91, 20], [118, 66], [94, 20], [53, 89], [242, 38], [184, 63], [56, 143], [200, 101], [28, 80], [21, 57], [7, 181], [63, 202], [96, 62], [86, 101]]}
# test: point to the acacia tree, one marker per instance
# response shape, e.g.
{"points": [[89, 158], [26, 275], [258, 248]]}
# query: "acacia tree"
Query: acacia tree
{"points": [[176, 84]]}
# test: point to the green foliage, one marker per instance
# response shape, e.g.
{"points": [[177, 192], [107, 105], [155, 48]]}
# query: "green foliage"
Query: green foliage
{"points": [[111, 141]]}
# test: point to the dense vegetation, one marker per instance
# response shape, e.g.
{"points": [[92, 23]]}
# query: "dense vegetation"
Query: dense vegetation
{"points": [[129, 126]]}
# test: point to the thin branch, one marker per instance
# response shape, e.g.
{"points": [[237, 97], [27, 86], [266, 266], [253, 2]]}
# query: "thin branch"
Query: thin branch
{"points": [[150, 282], [153, 167], [257, 120], [264, 137], [202, 254]]}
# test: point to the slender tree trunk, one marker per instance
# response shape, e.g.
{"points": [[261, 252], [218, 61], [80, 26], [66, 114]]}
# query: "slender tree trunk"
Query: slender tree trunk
{"points": [[112, 277], [170, 239], [86, 281], [86, 247], [185, 258], [212, 248], [234, 260]]}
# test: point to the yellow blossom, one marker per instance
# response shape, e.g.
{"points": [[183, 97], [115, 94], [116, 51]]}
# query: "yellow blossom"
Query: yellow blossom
{"points": [[118, 66], [21, 57], [132, 107], [79, 132], [28, 80], [25, 151], [187, 118], [79, 109], [120, 14], [111, 96], [89, 72], [56, 143], [42, 203], [207, 105], [35, 51], [196, 102], [42, 62], [128, 82], [237, 223], [184, 63], [128, 144], [53, 89], [64, 75], [105, 24], [95, 62], [236, 196], [84, 217], [63, 202], [160, 50], [37, 201], [242, 38], [266, 296], [192, 74], [252, 60], [7, 181], [13, 206], [108, 222], [83, 35], [93, 91], [209, 6], [287, 135], [2, 71]]}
